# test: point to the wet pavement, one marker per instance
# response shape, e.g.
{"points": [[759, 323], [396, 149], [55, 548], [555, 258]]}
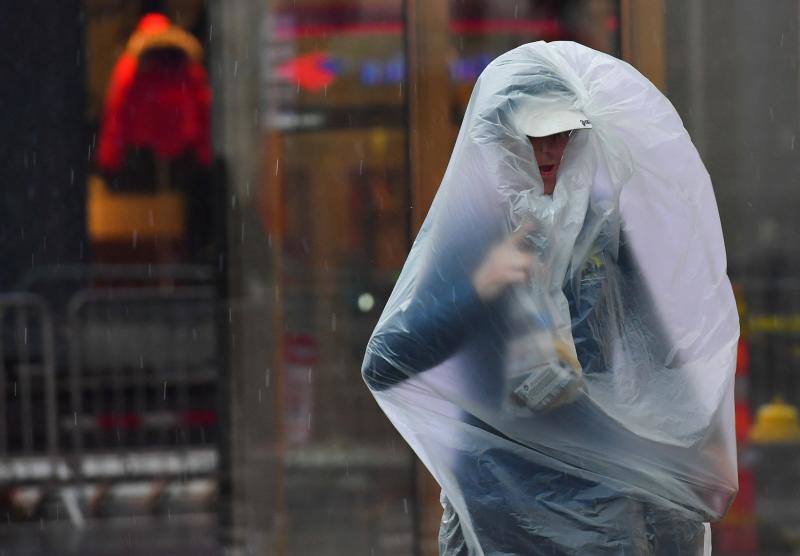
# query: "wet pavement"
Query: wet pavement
{"points": [[194, 534]]}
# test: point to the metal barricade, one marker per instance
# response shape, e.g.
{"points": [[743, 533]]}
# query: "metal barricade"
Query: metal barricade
{"points": [[28, 403], [143, 368], [109, 390]]}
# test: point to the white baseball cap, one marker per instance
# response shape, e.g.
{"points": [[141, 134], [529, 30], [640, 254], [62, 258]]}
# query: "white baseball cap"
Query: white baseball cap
{"points": [[549, 121]]}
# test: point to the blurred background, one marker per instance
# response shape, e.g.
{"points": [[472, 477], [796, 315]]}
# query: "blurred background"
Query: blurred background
{"points": [[205, 205]]}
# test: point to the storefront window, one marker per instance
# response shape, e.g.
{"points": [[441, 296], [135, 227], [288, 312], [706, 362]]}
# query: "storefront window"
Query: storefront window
{"points": [[333, 109]]}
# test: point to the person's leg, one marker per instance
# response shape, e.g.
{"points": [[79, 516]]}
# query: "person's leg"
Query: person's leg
{"points": [[453, 543], [517, 507]]}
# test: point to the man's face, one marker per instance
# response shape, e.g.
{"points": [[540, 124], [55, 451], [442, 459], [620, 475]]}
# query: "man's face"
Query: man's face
{"points": [[548, 152]]}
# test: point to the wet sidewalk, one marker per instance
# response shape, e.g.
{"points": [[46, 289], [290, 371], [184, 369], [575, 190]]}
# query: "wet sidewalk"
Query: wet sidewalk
{"points": [[193, 534]]}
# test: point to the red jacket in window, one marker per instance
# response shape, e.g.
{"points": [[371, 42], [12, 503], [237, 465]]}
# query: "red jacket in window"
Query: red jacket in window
{"points": [[158, 99]]}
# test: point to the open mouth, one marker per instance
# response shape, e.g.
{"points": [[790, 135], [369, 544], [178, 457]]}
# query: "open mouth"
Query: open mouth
{"points": [[546, 168]]}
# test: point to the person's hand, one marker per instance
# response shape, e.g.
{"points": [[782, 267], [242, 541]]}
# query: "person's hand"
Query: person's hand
{"points": [[507, 263]]}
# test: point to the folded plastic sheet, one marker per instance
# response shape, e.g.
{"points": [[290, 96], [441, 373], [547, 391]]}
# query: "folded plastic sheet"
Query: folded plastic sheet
{"points": [[629, 275]]}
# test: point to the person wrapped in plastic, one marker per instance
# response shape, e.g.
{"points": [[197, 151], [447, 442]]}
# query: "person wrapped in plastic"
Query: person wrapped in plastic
{"points": [[559, 348]]}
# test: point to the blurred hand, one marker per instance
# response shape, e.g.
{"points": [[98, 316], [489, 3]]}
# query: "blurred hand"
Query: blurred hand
{"points": [[507, 263]]}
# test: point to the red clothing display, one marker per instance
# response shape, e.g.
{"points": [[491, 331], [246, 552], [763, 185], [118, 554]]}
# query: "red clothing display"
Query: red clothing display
{"points": [[158, 98]]}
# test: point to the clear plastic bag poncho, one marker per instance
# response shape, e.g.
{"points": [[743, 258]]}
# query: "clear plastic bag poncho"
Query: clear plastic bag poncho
{"points": [[630, 275]]}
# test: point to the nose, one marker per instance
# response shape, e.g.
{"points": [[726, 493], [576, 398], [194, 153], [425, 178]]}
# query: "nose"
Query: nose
{"points": [[556, 139]]}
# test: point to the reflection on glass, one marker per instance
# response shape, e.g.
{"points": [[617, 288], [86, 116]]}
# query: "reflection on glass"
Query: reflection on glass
{"points": [[334, 115]]}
